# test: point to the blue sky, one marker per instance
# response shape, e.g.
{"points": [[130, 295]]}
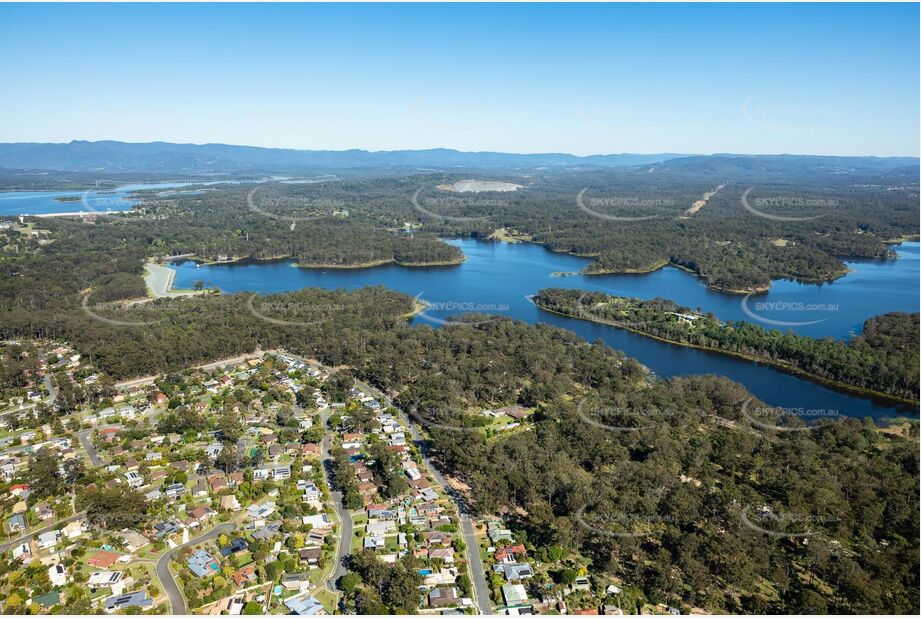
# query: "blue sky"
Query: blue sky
{"points": [[820, 79]]}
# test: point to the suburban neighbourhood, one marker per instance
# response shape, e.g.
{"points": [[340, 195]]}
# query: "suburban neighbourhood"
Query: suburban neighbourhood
{"points": [[262, 485]]}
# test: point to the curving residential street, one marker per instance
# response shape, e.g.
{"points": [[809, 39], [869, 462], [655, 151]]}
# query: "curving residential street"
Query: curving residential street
{"points": [[170, 587], [474, 561], [87, 445], [344, 546], [28, 536]]}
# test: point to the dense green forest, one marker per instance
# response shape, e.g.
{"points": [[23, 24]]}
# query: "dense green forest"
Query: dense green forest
{"points": [[883, 359], [855, 488], [361, 221], [689, 472], [728, 245]]}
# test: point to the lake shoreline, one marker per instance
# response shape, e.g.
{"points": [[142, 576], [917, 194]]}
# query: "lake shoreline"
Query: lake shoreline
{"points": [[250, 260], [508, 238], [884, 397]]}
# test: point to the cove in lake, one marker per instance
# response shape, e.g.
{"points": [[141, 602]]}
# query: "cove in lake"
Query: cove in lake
{"points": [[497, 278], [14, 203]]}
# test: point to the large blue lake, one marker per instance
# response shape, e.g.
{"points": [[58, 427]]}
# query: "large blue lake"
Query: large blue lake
{"points": [[14, 203], [498, 278]]}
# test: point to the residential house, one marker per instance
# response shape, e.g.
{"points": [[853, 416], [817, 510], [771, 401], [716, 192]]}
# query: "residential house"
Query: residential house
{"points": [[202, 564], [311, 555], [514, 571], [174, 491], [514, 594], [260, 511], [48, 539], [17, 523], [510, 553], [237, 545], [245, 576], [200, 514], [133, 540], [267, 531], [44, 511], [295, 581], [230, 503], [580, 584], [217, 482], [445, 554], [516, 412], [104, 579], [320, 520], [166, 529], [443, 597], [58, 575], [124, 601], [305, 606], [103, 559], [261, 474], [381, 527], [73, 530], [200, 490]]}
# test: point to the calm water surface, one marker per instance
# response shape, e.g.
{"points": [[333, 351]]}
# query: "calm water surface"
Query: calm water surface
{"points": [[498, 278], [13, 203]]}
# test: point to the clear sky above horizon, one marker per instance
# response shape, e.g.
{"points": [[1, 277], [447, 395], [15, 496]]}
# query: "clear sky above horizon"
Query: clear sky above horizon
{"points": [[807, 79]]}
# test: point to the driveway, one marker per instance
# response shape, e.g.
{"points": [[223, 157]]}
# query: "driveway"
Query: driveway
{"points": [[170, 587]]}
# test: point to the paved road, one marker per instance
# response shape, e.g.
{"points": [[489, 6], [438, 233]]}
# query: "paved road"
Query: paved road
{"points": [[87, 445], [344, 550], [477, 570], [170, 587], [49, 527], [480, 588], [52, 391]]}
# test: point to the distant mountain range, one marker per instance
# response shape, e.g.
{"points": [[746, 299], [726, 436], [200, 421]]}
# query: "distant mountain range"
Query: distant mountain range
{"points": [[154, 157], [113, 156]]}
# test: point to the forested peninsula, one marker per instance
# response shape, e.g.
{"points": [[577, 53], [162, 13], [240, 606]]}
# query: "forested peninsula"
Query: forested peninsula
{"points": [[882, 360]]}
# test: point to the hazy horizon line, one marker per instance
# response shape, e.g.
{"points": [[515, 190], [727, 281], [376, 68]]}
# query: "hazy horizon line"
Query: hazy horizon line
{"points": [[503, 152]]}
